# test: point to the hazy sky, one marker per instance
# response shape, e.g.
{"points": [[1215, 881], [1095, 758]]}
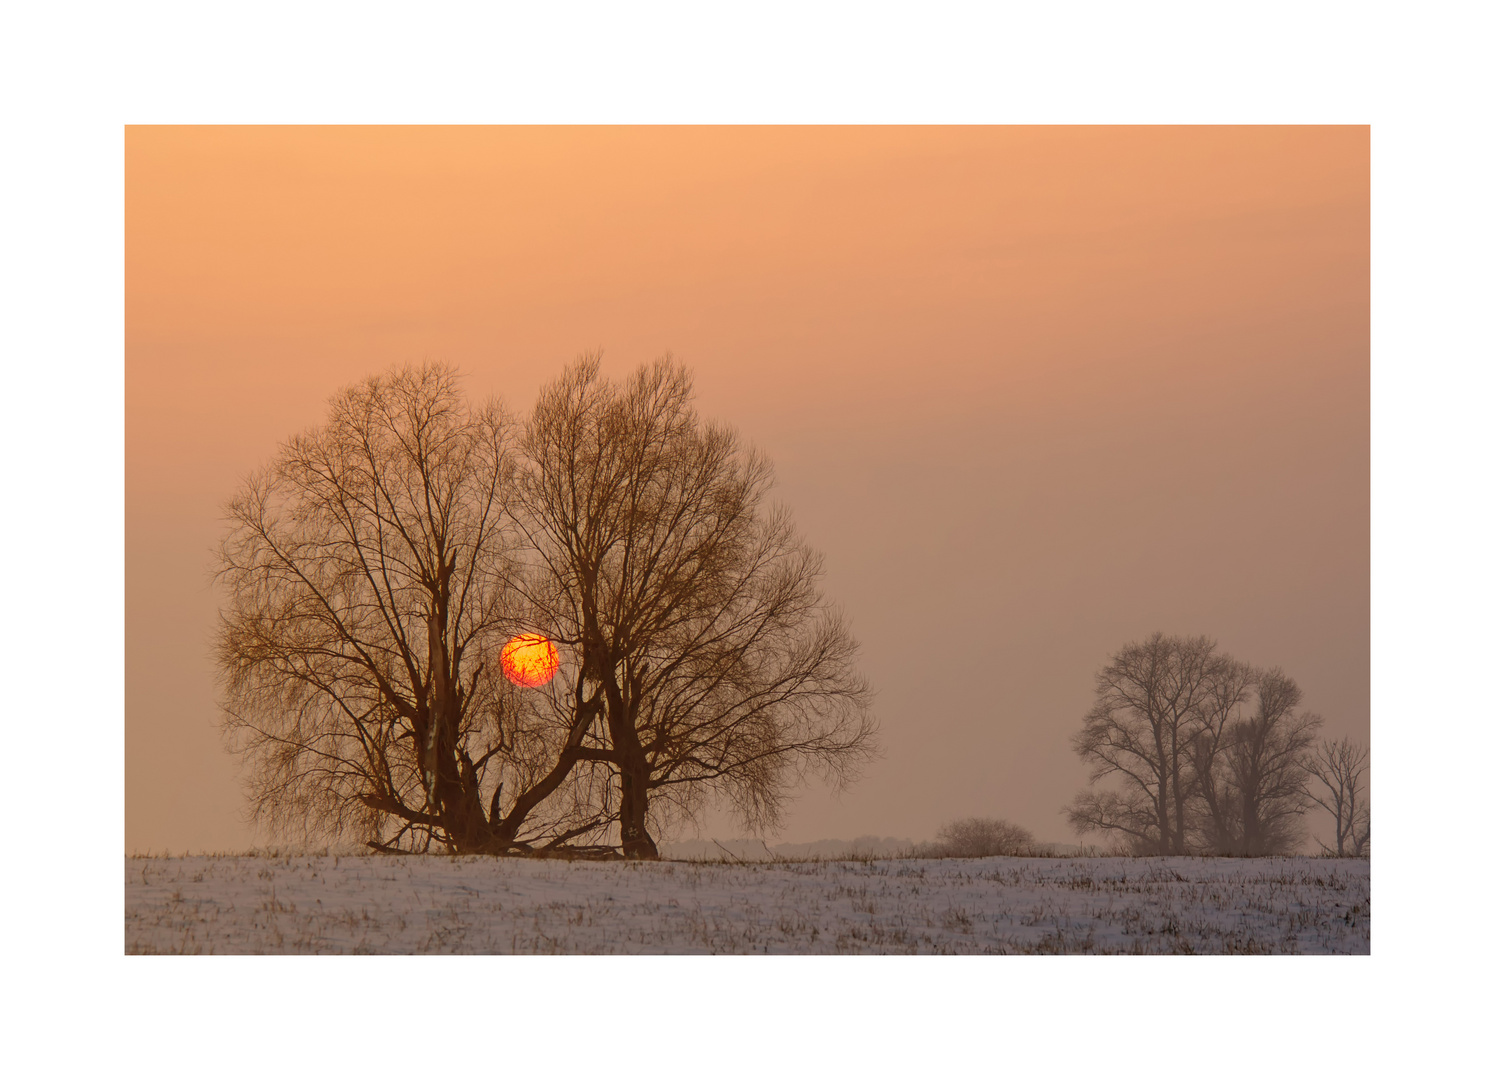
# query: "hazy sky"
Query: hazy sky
{"points": [[1034, 392]]}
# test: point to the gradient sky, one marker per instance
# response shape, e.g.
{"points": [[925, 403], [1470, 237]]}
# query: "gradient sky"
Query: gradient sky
{"points": [[1034, 392]]}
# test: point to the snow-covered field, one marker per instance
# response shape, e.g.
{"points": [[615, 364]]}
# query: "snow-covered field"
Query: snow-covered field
{"points": [[435, 904]]}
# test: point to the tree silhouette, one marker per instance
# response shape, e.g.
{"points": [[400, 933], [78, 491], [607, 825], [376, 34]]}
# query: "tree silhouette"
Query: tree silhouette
{"points": [[1196, 776], [371, 574], [1255, 788], [1156, 702], [376, 568], [1340, 766], [712, 662]]}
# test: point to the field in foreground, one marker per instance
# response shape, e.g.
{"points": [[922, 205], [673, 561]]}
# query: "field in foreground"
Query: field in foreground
{"points": [[435, 904]]}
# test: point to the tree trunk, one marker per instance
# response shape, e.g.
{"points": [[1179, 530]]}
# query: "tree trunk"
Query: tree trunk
{"points": [[454, 788], [633, 773], [1179, 841], [632, 816], [1251, 842], [1164, 842], [1341, 824]]}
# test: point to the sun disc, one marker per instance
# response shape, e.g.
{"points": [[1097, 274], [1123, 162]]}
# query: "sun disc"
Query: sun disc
{"points": [[529, 660]]}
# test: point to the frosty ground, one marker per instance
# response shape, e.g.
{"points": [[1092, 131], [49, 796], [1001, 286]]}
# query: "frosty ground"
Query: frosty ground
{"points": [[436, 904]]}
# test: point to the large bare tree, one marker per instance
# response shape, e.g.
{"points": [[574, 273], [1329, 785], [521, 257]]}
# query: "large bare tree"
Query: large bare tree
{"points": [[372, 577], [1157, 703], [1340, 766], [709, 663]]}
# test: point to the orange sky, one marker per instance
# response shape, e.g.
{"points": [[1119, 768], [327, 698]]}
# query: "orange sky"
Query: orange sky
{"points": [[1035, 392]]}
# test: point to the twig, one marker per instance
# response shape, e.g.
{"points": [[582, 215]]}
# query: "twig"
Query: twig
{"points": [[734, 858], [387, 849]]}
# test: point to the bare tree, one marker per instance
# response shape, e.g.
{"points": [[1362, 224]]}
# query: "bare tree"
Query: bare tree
{"points": [[1157, 703], [1130, 816], [710, 665], [1255, 787], [977, 837], [1340, 768], [372, 578]]}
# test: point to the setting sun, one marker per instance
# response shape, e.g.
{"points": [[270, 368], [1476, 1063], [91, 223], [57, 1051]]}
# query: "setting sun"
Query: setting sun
{"points": [[529, 660]]}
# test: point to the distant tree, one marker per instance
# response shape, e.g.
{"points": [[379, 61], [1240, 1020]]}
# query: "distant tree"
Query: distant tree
{"points": [[1253, 780], [371, 572], [710, 663], [1157, 703], [1340, 766], [977, 837]]}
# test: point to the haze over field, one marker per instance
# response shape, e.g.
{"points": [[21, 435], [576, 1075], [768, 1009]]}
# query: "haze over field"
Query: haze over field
{"points": [[1035, 393]]}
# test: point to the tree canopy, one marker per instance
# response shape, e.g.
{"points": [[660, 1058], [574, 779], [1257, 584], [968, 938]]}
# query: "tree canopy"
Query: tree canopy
{"points": [[375, 569], [1190, 770]]}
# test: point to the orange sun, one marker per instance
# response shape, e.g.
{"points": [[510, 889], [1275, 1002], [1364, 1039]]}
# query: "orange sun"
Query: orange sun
{"points": [[529, 660]]}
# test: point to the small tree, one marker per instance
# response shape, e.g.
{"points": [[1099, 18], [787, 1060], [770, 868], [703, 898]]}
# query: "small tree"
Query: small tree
{"points": [[1340, 766], [978, 837]]}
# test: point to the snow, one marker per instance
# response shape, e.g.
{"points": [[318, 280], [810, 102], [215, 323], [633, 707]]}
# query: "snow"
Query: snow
{"points": [[438, 904], [751, 850]]}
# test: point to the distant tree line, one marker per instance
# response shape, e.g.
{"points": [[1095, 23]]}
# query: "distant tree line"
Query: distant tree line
{"points": [[1194, 752]]}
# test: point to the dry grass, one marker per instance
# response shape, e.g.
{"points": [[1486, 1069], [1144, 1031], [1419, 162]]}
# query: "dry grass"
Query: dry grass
{"points": [[339, 904]]}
